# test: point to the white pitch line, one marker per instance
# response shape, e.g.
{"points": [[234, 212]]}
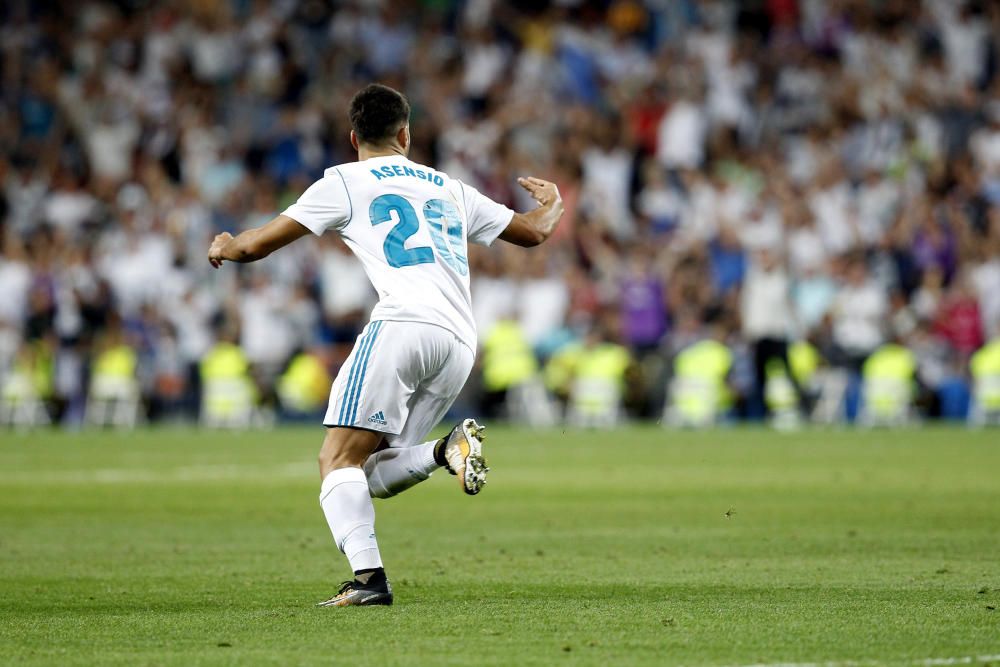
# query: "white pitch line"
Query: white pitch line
{"points": [[966, 660], [924, 662], [152, 475]]}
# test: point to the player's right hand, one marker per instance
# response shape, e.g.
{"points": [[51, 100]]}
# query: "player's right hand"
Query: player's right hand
{"points": [[215, 254], [542, 191]]}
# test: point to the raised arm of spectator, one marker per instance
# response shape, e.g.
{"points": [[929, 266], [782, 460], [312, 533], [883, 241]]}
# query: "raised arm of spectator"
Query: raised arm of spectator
{"points": [[255, 244], [534, 227]]}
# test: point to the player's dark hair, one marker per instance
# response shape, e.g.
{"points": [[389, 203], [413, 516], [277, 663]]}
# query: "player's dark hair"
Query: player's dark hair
{"points": [[377, 113]]}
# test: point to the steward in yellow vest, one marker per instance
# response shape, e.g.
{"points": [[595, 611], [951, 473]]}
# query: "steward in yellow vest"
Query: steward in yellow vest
{"points": [[888, 376], [229, 394], [699, 390], [507, 362], [779, 393], [598, 384], [224, 360], [507, 357], [984, 365], [305, 385], [117, 363], [113, 371], [32, 377]]}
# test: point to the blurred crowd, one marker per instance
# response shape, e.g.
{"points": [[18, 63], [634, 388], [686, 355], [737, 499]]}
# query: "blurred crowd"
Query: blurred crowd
{"points": [[757, 172]]}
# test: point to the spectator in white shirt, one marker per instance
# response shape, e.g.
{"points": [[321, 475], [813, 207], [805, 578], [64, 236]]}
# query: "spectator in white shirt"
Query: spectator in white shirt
{"points": [[859, 315], [768, 316]]}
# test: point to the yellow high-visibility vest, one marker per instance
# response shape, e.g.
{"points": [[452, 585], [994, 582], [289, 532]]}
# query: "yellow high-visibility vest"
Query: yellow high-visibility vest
{"points": [[599, 379], [804, 359], [33, 374], [224, 360], [507, 357], [118, 362], [700, 370], [707, 359], [888, 376], [605, 361], [891, 361], [228, 390], [305, 384], [560, 368], [984, 365], [779, 393]]}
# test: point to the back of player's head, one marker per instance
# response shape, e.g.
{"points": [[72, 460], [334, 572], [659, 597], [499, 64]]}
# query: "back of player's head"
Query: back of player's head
{"points": [[377, 113]]}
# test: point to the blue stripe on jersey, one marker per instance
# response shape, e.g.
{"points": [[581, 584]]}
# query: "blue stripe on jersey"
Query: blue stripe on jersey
{"points": [[354, 371], [359, 381], [352, 411]]}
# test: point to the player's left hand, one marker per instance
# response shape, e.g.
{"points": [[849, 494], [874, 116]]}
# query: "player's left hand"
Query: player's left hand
{"points": [[215, 256], [542, 191]]}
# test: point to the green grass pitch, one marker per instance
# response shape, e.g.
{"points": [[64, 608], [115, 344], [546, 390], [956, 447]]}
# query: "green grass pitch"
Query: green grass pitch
{"points": [[632, 547]]}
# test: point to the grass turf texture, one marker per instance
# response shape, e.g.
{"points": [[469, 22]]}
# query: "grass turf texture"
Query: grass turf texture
{"points": [[631, 547]]}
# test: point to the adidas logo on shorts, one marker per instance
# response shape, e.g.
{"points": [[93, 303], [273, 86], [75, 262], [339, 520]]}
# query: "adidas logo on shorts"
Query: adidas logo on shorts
{"points": [[378, 418]]}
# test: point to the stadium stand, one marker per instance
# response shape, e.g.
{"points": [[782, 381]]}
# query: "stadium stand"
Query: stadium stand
{"points": [[760, 175]]}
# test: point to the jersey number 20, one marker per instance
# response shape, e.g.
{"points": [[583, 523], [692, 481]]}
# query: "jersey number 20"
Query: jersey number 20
{"points": [[445, 225]]}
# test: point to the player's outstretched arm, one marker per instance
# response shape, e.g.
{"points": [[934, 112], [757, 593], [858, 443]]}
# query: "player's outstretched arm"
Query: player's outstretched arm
{"points": [[532, 228], [255, 244]]}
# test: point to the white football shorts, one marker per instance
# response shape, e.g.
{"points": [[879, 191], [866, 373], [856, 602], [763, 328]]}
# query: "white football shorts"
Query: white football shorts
{"points": [[400, 379]]}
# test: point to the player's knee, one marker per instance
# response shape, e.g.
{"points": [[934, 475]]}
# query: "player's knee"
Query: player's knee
{"points": [[325, 460], [334, 460], [334, 455], [342, 450]]}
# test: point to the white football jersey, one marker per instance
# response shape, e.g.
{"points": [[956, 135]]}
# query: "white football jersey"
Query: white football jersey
{"points": [[410, 226]]}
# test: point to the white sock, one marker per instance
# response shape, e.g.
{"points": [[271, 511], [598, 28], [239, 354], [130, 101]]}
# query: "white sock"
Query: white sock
{"points": [[351, 515], [396, 469]]}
